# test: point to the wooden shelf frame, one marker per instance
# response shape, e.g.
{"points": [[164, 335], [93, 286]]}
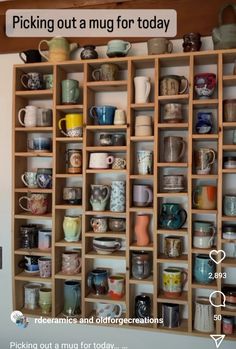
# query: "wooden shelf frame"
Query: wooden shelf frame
{"points": [[90, 88]]}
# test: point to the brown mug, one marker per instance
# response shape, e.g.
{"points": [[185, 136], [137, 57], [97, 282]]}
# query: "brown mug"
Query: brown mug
{"points": [[204, 158], [171, 85], [174, 148], [107, 72], [173, 246], [74, 160]]}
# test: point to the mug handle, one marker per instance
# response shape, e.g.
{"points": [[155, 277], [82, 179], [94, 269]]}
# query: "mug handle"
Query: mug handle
{"points": [[19, 116], [169, 47], [39, 48], [24, 208], [92, 112], [185, 278], [184, 215], [108, 193], [117, 245], [183, 150], [79, 266], [213, 235], [110, 159], [148, 89], [150, 195], [60, 127], [96, 71], [92, 222], [24, 76], [22, 57], [186, 85], [213, 158], [128, 46], [23, 180], [120, 310]]}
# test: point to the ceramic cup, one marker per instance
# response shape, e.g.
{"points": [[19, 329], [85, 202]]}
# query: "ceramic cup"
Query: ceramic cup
{"points": [[45, 267], [73, 125], [171, 85], [103, 115], [204, 85], [116, 286], [44, 178], [119, 164], [74, 161], [141, 264], [29, 236], [192, 42], [70, 91], [142, 195], [71, 263], [48, 81], [37, 203], [229, 205], [106, 139], [44, 117], [120, 117], [119, 139], [143, 126], [117, 224], [106, 72], [204, 158], [171, 315], [204, 123], [204, 315], [99, 198], [157, 46], [203, 266], [173, 183], [31, 295], [203, 234], [118, 48], [173, 246], [204, 197], [142, 86], [99, 224], [44, 239], [174, 148], [72, 195], [72, 227], [29, 179], [118, 196], [29, 264], [39, 144], [98, 281], [100, 160], [145, 162], [105, 310], [32, 81], [30, 56], [143, 306], [229, 110], [106, 245], [72, 298], [30, 116], [173, 113], [45, 300], [172, 216], [174, 280]]}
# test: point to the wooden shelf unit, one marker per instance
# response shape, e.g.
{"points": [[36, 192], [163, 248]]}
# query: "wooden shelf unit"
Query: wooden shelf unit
{"points": [[91, 90]]}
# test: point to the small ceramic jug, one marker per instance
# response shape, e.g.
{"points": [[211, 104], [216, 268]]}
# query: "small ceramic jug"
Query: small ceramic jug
{"points": [[99, 196], [72, 226], [59, 49], [141, 229]]}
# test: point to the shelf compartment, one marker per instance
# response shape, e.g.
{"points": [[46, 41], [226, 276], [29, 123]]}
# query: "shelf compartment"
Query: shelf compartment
{"points": [[30, 154], [32, 252], [106, 213], [33, 190], [110, 234], [183, 299], [147, 281], [114, 255], [118, 85], [169, 194], [172, 126], [30, 277], [35, 94], [107, 170], [142, 106], [69, 139], [142, 139], [229, 80], [211, 286], [135, 247], [92, 298], [172, 164], [180, 232], [62, 276], [229, 262], [106, 127], [33, 129], [109, 149], [164, 259], [64, 243], [25, 215]]}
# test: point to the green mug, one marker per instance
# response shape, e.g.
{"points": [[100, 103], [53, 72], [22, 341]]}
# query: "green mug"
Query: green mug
{"points": [[70, 91], [48, 81], [45, 300]]}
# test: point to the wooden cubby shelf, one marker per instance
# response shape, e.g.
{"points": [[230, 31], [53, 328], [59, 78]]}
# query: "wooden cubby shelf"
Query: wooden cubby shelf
{"points": [[121, 94]]}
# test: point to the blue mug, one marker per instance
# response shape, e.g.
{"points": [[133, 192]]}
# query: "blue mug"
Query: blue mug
{"points": [[103, 115], [204, 122], [44, 178], [72, 298], [204, 269], [98, 281], [39, 144]]}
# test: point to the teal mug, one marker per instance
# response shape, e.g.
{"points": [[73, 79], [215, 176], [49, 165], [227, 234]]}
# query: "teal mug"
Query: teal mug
{"points": [[70, 91], [72, 297], [118, 48]]}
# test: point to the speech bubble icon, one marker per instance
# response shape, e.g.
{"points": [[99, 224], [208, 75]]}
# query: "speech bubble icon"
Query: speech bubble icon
{"points": [[213, 298]]}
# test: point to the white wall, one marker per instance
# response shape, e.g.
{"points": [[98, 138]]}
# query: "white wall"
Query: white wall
{"points": [[60, 333]]}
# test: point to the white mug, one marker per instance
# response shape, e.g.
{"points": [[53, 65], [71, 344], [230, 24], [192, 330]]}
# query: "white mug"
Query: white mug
{"points": [[104, 310], [120, 117], [30, 118], [100, 160], [142, 89]]}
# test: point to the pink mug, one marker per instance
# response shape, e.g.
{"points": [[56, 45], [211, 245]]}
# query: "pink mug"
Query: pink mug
{"points": [[37, 204]]}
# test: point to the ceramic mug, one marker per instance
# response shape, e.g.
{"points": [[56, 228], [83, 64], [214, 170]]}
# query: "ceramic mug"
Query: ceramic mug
{"points": [[74, 160], [119, 164], [174, 148], [32, 81], [30, 116], [172, 216], [171, 315], [120, 117], [170, 85], [72, 227], [71, 263], [203, 266], [105, 310], [100, 160], [44, 239], [100, 195], [44, 117], [72, 195], [173, 183], [31, 295], [116, 286], [229, 205], [99, 224], [29, 236], [118, 48], [48, 81], [29, 179], [204, 85], [106, 139], [98, 281], [203, 234], [72, 298], [157, 46], [204, 122], [119, 139], [145, 162], [44, 178], [30, 56], [192, 42], [29, 264], [74, 125], [204, 197], [37, 204], [107, 72], [204, 158], [142, 86], [204, 315], [173, 246], [142, 195], [143, 306], [174, 280], [141, 265], [103, 115], [70, 91], [45, 300], [143, 126], [45, 267], [118, 196], [173, 113], [39, 144], [229, 110]]}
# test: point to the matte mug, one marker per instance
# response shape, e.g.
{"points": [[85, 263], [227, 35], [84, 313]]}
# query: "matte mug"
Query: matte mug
{"points": [[32, 81], [204, 197], [29, 179], [142, 195], [74, 125], [70, 91], [107, 72], [103, 115], [158, 46], [30, 116], [44, 117]]}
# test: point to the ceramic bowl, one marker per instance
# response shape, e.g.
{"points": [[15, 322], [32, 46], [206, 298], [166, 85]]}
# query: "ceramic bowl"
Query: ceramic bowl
{"points": [[106, 245]]}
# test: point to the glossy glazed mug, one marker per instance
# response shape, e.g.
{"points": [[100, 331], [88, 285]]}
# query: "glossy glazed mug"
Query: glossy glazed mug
{"points": [[31, 295], [204, 122], [119, 164], [103, 115], [173, 246], [44, 178], [99, 224], [118, 196], [171, 84], [120, 117], [45, 300], [71, 263], [45, 267], [107, 72], [203, 267], [203, 234], [44, 239], [204, 85], [100, 160], [98, 281], [70, 91], [174, 280], [39, 144], [141, 265], [48, 81], [116, 286], [100, 195], [44, 117], [72, 226], [29, 236], [174, 148], [171, 315], [30, 56], [145, 162], [229, 205], [37, 203], [74, 160], [142, 86], [157, 46], [204, 197], [204, 158], [29, 264], [32, 81], [30, 116], [29, 179], [172, 216], [105, 310], [74, 125], [118, 48], [143, 306], [72, 298], [72, 195], [142, 195]]}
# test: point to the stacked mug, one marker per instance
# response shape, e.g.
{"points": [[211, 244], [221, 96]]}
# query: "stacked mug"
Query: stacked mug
{"points": [[143, 126]]}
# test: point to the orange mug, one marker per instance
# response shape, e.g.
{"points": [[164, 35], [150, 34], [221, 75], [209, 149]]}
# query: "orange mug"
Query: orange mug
{"points": [[204, 197]]}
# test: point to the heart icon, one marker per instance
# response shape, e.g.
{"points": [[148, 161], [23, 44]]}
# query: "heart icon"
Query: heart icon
{"points": [[217, 252]]}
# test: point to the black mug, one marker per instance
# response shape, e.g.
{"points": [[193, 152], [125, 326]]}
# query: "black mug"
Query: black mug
{"points": [[142, 306], [170, 315], [30, 56], [29, 236]]}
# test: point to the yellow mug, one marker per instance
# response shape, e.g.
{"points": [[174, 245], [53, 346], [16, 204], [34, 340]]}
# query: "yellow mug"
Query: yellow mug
{"points": [[74, 125]]}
